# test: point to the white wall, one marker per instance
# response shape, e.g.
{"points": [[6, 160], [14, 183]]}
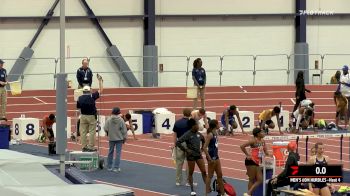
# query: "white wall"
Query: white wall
{"points": [[210, 39], [73, 7], [337, 6], [235, 38], [223, 6], [329, 36]]}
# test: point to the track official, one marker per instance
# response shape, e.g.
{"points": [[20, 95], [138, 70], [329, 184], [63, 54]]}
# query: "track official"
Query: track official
{"points": [[88, 120], [84, 74]]}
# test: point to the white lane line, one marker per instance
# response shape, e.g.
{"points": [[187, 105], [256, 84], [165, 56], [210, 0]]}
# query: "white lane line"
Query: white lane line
{"points": [[292, 100], [40, 100]]}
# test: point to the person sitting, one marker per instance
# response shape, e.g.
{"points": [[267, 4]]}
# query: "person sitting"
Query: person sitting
{"points": [[282, 179]]}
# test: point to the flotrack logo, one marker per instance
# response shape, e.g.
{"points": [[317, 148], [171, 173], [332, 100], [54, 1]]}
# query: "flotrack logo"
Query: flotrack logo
{"points": [[316, 12]]}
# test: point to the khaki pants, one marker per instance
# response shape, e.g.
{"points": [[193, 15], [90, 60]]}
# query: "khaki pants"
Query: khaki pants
{"points": [[3, 95], [87, 125], [201, 95], [180, 158]]}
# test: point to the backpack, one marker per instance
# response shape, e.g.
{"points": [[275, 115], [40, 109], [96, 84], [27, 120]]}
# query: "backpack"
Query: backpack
{"points": [[229, 189]]}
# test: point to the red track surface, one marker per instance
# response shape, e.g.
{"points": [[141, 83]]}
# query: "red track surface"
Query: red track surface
{"points": [[250, 98], [157, 152]]}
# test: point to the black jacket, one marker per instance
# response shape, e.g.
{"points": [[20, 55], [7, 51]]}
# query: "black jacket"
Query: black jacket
{"points": [[81, 76], [292, 160]]}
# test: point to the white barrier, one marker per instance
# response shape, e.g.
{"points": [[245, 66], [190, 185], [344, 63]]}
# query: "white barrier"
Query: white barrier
{"points": [[284, 120], [69, 127], [164, 123], [247, 118], [101, 121], [137, 124], [25, 128]]}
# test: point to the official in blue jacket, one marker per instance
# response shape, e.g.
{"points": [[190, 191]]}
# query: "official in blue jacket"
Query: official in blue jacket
{"points": [[84, 74]]}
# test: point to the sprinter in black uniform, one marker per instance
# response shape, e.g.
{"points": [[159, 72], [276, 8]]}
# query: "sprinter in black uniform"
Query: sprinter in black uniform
{"points": [[211, 151], [321, 188], [193, 150]]}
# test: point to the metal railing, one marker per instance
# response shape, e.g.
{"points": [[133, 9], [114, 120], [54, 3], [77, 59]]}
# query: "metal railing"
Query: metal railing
{"points": [[226, 70]]}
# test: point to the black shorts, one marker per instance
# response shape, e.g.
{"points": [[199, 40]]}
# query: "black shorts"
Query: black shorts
{"points": [[52, 135], [268, 122], [193, 158], [249, 162]]}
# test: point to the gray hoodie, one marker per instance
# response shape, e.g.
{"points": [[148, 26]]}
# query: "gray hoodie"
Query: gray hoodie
{"points": [[115, 126]]}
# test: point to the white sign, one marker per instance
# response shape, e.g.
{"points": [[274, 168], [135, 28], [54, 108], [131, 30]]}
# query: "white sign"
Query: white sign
{"points": [[284, 120], [137, 124], [69, 128], [25, 128], [101, 121], [164, 123], [247, 118]]}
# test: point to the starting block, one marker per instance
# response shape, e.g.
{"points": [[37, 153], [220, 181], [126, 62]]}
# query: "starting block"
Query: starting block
{"points": [[86, 161], [25, 128], [164, 123], [284, 120]]}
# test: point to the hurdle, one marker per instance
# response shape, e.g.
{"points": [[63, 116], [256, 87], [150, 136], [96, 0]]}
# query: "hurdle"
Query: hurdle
{"points": [[306, 147], [297, 141], [273, 166], [341, 148]]}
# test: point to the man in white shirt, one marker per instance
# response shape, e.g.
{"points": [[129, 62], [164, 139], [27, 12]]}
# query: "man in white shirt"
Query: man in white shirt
{"points": [[345, 84]]}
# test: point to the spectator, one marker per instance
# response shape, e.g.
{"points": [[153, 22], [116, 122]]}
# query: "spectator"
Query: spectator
{"points": [[88, 120], [194, 146], [84, 74], [3, 93], [117, 135], [344, 86], [336, 78], [199, 78], [180, 128]]}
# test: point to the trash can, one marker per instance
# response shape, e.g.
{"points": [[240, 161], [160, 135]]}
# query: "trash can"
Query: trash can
{"points": [[280, 151], [4, 137], [147, 120]]}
